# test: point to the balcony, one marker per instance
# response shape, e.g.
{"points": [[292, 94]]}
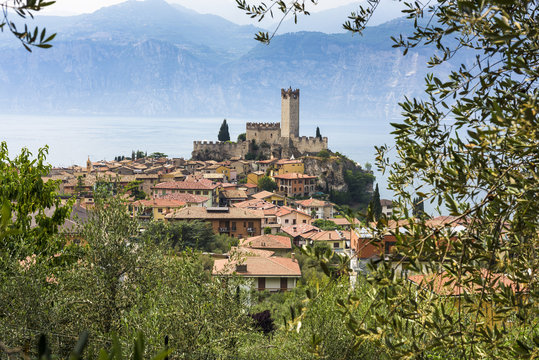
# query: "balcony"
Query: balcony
{"points": [[251, 230], [223, 229]]}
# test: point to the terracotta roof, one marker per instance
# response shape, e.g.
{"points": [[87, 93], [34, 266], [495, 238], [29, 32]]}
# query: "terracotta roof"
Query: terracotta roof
{"points": [[234, 194], [344, 221], [267, 241], [285, 210], [294, 176], [249, 185], [215, 213], [238, 251], [258, 266], [188, 198], [160, 202], [255, 204], [187, 185], [299, 230], [444, 284], [263, 194], [313, 202], [327, 235], [270, 161], [444, 221]]}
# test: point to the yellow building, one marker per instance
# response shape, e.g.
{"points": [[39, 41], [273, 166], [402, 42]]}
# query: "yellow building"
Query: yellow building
{"points": [[271, 197], [155, 209], [252, 178], [227, 172], [289, 166]]}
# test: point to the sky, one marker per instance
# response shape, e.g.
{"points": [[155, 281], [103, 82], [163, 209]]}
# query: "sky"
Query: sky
{"points": [[224, 8]]}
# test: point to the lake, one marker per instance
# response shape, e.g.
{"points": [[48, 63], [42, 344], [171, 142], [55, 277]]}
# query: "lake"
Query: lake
{"points": [[71, 139]]}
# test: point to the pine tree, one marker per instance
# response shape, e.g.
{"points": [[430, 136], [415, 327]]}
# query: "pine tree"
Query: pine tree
{"points": [[318, 135], [223, 132]]}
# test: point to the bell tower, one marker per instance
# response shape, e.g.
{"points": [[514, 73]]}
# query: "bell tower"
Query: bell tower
{"points": [[289, 113]]}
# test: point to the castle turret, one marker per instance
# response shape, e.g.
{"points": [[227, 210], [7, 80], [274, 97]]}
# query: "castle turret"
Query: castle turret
{"points": [[289, 113]]}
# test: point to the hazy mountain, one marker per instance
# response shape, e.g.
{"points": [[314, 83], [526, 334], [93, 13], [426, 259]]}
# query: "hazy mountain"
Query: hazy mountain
{"points": [[152, 58], [331, 21]]}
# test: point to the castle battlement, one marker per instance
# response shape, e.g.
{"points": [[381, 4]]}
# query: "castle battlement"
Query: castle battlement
{"points": [[263, 126], [287, 93]]}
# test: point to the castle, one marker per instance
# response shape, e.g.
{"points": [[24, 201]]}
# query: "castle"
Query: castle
{"points": [[279, 140]]}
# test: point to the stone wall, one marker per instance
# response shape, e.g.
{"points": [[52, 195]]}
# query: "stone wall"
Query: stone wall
{"points": [[218, 151], [263, 132], [309, 145]]}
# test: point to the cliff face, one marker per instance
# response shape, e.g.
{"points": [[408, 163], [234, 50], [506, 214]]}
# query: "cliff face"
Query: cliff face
{"points": [[331, 172]]}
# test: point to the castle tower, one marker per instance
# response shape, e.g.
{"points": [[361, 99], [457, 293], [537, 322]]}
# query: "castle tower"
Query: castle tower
{"points": [[289, 113], [88, 165]]}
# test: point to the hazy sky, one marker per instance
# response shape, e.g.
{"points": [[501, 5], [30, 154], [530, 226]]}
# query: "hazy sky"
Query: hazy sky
{"points": [[224, 8]]}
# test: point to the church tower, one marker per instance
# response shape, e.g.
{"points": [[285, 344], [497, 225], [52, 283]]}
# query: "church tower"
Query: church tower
{"points": [[289, 113]]}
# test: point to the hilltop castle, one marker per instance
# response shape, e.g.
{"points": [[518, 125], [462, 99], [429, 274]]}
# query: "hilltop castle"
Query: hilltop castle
{"points": [[280, 140]]}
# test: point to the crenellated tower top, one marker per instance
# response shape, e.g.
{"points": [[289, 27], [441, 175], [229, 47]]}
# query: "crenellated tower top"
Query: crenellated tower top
{"points": [[289, 93]]}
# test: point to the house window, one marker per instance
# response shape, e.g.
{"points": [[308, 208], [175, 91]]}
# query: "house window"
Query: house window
{"points": [[294, 222], [233, 226], [286, 221], [335, 245], [305, 221]]}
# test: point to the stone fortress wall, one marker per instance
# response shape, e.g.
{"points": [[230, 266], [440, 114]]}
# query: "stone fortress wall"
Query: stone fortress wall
{"points": [[283, 138], [219, 150], [309, 144], [263, 132]]}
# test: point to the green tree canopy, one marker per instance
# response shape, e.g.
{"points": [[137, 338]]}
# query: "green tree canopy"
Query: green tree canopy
{"points": [[242, 137], [266, 183], [223, 135], [25, 224]]}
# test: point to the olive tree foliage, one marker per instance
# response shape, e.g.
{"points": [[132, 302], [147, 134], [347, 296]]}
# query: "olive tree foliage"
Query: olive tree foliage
{"points": [[25, 224], [25, 9], [116, 283], [470, 147]]}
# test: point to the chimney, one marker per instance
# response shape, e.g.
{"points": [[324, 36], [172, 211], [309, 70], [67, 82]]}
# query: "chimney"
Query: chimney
{"points": [[294, 257], [241, 268]]}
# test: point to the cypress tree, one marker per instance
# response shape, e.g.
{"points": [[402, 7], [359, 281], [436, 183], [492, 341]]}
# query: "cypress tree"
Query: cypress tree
{"points": [[318, 135], [223, 132], [419, 207], [375, 205]]}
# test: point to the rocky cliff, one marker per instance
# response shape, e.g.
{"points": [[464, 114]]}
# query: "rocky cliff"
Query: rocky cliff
{"points": [[332, 171]]}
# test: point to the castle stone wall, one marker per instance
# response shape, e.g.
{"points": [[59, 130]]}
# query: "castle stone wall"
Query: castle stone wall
{"points": [[309, 145], [263, 132], [219, 151]]}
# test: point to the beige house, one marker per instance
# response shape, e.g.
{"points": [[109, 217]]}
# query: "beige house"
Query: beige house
{"points": [[290, 216], [274, 274], [235, 222], [318, 209], [202, 187]]}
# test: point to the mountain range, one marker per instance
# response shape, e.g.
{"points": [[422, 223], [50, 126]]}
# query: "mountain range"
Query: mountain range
{"points": [[152, 58]]}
